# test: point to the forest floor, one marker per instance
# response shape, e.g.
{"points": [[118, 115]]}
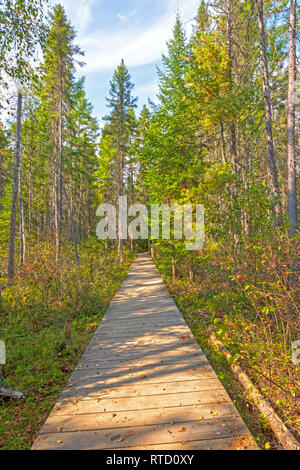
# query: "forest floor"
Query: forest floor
{"points": [[33, 321]]}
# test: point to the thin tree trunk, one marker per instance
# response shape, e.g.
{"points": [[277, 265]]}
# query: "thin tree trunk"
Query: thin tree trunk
{"points": [[1, 183], [223, 143], [121, 190], [56, 197], [22, 222], [173, 264], [233, 149], [268, 111], [13, 214], [74, 238], [173, 268], [30, 177], [191, 272], [291, 119], [60, 146]]}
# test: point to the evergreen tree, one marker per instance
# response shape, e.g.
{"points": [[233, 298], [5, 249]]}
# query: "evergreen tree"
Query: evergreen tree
{"points": [[120, 125], [172, 145], [59, 64]]}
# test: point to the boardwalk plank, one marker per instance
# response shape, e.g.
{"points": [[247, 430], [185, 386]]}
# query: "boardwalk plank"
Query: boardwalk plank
{"points": [[153, 435], [94, 391], [85, 422]]}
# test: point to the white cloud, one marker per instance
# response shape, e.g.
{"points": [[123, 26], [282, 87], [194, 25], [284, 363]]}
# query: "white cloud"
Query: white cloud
{"points": [[134, 43], [121, 17]]}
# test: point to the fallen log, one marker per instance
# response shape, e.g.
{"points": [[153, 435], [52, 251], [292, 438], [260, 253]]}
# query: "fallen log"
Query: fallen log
{"points": [[11, 394], [281, 432]]}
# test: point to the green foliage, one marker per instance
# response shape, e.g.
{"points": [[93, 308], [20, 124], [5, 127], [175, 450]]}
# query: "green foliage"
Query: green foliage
{"points": [[116, 154], [22, 30]]}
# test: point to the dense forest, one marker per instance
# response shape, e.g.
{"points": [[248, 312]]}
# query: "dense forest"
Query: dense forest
{"points": [[223, 132]]}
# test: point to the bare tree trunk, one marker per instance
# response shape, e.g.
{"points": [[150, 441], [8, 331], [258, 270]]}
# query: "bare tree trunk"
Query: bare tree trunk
{"points": [[121, 190], [173, 264], [22, 222], [173, 268], [291, 119], [1, 183], [30, 178], [268, 111], [13, 214], [223, 143], [233, 149], [153, 251], [56, 198], [74, 238], [89, 212], [191, 273], [60, 146]]}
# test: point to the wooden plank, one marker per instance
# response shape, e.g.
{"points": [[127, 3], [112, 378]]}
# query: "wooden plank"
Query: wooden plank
{"points": [[137, 346], [121, 419], [143, 382], [137, 436], [146, 339], [96, 392], [242, 442], [141, 335], [158, 374], [133, 354], [155, 360], [103, 405], [142, 327]]}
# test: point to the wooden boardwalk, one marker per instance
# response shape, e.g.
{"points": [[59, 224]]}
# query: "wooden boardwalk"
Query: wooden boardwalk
{"points": [[143, 382]]}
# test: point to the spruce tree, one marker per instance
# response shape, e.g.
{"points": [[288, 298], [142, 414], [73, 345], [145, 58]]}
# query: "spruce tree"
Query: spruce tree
{"points": [[59, 65], [120, 123]]}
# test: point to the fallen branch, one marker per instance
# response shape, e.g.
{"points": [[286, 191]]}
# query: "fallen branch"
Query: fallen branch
{"points": [[11, 394], [283, 435]]}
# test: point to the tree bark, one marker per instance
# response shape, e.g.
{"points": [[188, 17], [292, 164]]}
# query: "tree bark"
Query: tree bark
{"points": [[1, 183], [223, 143], [11, 394], [60, 147], [268, 111], [13, 214], [22, 221], [121, 191], [233, 148], [74, 238], [56, 197], [291, 119]]}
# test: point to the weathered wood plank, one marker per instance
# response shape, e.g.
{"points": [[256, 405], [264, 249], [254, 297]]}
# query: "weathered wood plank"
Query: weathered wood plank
{"points": [[133, 354], [134, 418], [137, 436], [243, 442], [137, 390], [67, 406], [155, 360], [158, 374]]}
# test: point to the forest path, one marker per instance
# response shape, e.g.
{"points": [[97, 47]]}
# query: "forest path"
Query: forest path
{"points": [[143, 382]]}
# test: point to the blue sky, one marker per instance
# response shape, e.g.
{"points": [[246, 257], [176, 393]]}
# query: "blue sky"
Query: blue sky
{"points": [[136, 30]]}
